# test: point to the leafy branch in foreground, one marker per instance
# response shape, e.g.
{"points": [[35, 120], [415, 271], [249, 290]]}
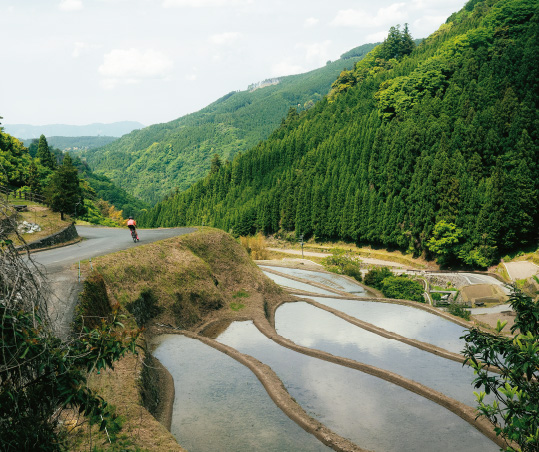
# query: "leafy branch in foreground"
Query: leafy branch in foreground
{"points": [[515, 409], [41, 374]]}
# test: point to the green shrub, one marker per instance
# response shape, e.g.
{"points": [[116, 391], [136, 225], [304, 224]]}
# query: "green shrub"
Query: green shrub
{"points": [[459, 311], [436, 296], [343, 264], [402, 287], [375, 276]]}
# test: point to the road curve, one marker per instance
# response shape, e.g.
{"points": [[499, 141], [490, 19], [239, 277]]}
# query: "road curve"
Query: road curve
{"points": [[97, 241]]}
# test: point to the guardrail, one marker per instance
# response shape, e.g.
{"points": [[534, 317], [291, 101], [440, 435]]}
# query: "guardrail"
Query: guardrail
{"points": [[22, 195]]}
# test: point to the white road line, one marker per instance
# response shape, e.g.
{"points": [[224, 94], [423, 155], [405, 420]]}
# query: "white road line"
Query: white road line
{"points": [[508, 272]]}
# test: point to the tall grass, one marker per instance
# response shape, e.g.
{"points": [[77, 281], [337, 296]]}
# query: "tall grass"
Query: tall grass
{"points": [[255, 246]]}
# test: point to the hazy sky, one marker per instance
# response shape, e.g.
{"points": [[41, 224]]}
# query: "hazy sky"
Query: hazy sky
{"points": [[85, 61]]}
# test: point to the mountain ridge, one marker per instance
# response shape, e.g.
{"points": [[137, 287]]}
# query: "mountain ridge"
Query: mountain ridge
{"points": [[154, 161], [114, 129]]}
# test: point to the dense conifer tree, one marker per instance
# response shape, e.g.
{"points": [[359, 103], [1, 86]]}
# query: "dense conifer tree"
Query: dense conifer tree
{"points": [[64, 193], [44, 153]]}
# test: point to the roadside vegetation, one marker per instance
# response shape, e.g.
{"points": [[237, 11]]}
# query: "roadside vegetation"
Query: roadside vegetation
{"points": [[255, 246], [47, 221], [42, 375]]}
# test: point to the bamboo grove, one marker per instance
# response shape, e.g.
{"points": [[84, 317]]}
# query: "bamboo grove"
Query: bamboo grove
{"points": [[433, 151]]}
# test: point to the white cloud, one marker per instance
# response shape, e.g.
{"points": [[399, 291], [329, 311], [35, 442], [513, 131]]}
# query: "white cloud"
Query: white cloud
{"points": [[317, 52], [311, 22], [286, 67], [376, 37], [203, 3], [225, 38], [393, 14], [351, 18], [390, 15], [423, 26], [423, 5], [81, 48], [133, 65], [70, 5]]}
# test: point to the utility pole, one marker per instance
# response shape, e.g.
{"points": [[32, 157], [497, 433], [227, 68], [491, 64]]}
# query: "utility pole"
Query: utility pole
{"points": [[301, 238]]}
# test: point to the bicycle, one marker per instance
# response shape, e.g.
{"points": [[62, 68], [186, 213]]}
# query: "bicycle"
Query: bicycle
{"points": [[134, 235]]}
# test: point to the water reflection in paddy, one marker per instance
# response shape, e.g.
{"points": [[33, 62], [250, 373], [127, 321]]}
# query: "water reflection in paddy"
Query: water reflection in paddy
{"points": [[282, 281], [220, 405], [404, 320], [311, 327], [329, 279], [371, 412]]}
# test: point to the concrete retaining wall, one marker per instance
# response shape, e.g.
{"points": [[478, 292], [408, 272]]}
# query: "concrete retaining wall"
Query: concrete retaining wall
{"points": [[65, 235]]}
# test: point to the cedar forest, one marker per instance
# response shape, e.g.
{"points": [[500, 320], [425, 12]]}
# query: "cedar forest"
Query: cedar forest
{"points": [[428, 149]]}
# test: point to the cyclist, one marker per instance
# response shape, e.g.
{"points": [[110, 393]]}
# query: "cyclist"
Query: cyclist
{"points": [[132, 224]]}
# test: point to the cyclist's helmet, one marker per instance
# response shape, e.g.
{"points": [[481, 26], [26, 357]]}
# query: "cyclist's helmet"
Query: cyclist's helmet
{"points": [[130, 218]]}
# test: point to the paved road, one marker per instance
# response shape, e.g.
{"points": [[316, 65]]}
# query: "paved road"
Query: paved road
{"points": [[99, 241], [521, 269], [64, 286]]}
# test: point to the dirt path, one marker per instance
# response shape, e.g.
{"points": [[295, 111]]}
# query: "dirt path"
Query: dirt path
{"points": [[365, 260]]}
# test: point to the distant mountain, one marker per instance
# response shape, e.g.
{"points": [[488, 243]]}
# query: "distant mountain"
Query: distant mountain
{"points": [[152, 162], [74, 144], [115, 129]]}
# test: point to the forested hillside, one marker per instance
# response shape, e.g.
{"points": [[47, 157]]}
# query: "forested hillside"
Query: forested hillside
{"points": [[33, 169], [432, 149], [152, 162], [75, 143]]}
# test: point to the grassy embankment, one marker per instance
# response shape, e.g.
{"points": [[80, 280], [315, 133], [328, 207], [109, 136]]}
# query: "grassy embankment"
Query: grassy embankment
{"points": [[199, 281], [48, 221]]}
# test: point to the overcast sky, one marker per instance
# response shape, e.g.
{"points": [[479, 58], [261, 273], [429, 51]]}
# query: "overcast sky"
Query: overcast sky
{"points": [[84, 61]]}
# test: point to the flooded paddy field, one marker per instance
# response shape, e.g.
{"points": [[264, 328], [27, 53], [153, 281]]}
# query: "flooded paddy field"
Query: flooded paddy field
{"points": [[221, 405], [373, 413], [311, 327], [404, 320]]}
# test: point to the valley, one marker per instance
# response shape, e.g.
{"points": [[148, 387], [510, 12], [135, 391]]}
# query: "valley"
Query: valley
{"points": [[341, 259]]}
